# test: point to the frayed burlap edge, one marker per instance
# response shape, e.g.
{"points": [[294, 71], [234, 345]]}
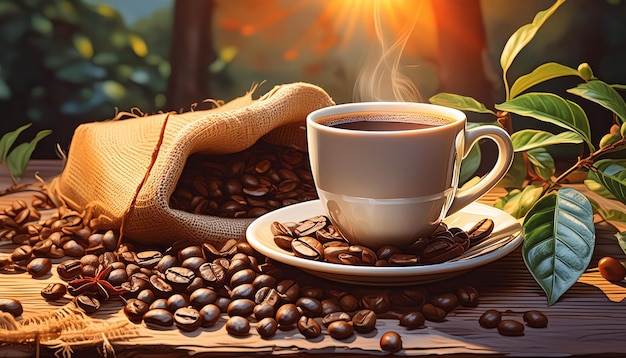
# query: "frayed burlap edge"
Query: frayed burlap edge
{"points": [[63, 330]]}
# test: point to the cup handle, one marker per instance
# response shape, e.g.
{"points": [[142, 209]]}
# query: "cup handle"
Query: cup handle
{"points": [[502, 139]]}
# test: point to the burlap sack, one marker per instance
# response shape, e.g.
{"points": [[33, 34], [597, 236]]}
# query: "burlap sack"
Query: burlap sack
{"points": [[107, 162]]}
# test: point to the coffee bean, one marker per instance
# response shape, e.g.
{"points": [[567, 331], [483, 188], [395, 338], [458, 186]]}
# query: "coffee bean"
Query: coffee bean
{"points": [[307, 247], [135, 310], [39, 266], [308, 327], [408, 297], [509, 327], [264, 280], [287, 315], [335, 316], [480, 230], [209, 315], [263, 310], [237, 326], [179, 277], [348, 302], [243, 291], [267, 327], [310, 306], [434, 313], [412, 320], [69, 269], [447, 301], [22, 253], [88, 304], [490, 319], [160, 287], [202, 296], [159, 303], [379, 303], [403, 260], [535, 319], [117, 276], [158, 318], [54, 291], [468, 296], [12, 306], [364, 321], [244, 276], [240, 307], [187, 319], [177, 301], [340, 329], [214, 274], [288, 290], [391, 342], [146, 295]]}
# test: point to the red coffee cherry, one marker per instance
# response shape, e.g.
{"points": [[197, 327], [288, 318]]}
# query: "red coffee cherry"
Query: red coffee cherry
{"points": [[611, 268]]}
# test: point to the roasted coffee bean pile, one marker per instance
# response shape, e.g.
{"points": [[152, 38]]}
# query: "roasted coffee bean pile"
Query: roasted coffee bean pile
{"points": [[245, 184], [198, 286], [317, 239], [63, 234]]}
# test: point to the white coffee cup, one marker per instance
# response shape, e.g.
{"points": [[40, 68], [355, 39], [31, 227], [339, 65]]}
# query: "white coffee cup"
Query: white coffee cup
{"points": [[387, 172]]}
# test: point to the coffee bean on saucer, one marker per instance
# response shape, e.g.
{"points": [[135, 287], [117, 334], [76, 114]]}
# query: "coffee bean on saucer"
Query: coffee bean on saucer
{"points": [[480, 230]]}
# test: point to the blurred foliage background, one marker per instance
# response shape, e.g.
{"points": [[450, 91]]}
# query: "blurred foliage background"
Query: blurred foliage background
{"points": [[66, 62]]}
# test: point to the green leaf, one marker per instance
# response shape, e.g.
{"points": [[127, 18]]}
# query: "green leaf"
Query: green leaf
{"points": [[607, 214], [621, 240], [18, 158], [527, 139], [7, 141], [559, 238], [619, 87], [594, 185], [543, 73], [613, 177], [542, 161], [470, 164], [459, 102], [553, 109], [602, 94], [514, 178], [522, 37], [518, 205]]}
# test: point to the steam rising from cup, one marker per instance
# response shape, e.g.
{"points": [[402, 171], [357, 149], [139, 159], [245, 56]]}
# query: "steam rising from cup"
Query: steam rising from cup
{"points": [[380, 78]]}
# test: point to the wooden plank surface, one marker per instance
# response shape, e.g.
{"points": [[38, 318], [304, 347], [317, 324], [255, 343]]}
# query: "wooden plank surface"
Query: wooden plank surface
{"points": [[587, 321]]}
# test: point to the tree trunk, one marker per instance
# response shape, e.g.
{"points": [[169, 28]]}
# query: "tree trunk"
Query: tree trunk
{"points": [[462, 49], [191, 54]]}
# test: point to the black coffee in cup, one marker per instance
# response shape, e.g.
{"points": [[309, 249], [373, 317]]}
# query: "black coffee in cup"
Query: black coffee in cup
{"points": [[383, 121]]}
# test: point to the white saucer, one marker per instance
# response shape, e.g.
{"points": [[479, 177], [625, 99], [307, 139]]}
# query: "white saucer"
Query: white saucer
{"points": [[505, 238]]}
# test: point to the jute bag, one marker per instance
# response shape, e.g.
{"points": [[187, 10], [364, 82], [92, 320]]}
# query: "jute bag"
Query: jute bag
{"points": [[123, 172]]}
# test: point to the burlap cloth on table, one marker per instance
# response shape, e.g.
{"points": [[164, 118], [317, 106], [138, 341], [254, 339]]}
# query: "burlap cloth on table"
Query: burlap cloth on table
{"points": [[107, 162]]}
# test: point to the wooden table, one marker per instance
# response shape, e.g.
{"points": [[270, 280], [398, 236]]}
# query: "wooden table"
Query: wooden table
{"points": [[589, 320]]}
